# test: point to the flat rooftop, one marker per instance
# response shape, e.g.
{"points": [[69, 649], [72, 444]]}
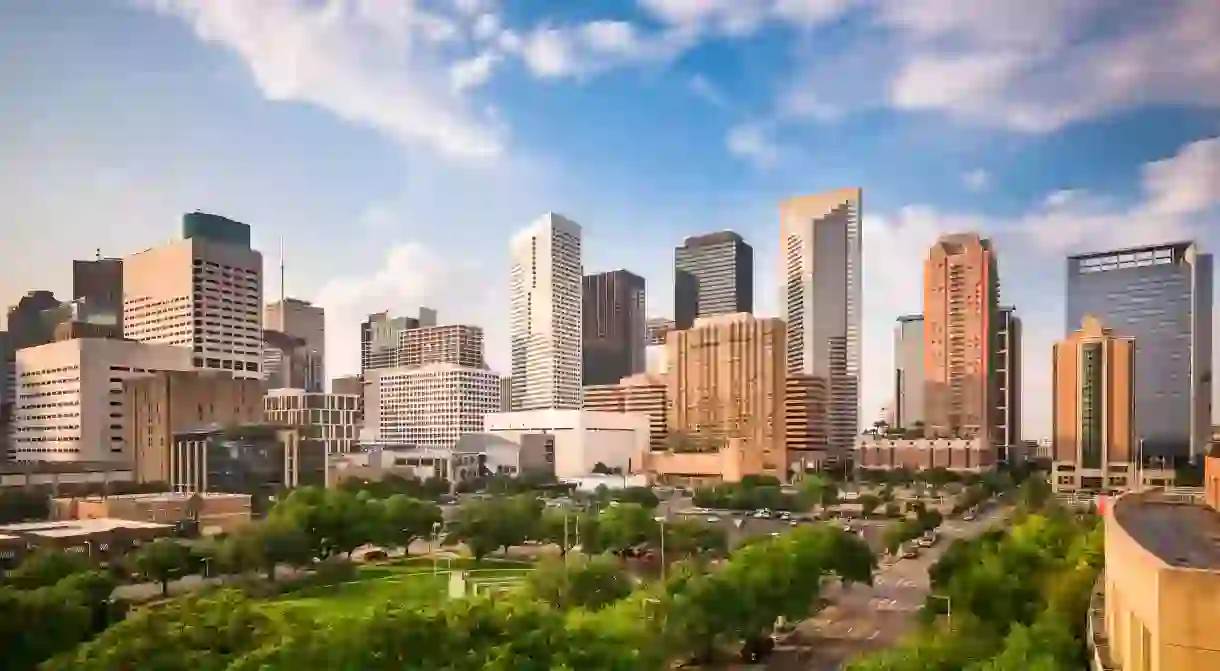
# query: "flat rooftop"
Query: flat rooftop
{"points": [[1180, 534], [69, 528], [157, 497]]}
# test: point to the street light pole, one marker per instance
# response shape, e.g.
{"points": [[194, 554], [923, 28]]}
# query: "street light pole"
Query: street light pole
{"points": [[661, 519]]}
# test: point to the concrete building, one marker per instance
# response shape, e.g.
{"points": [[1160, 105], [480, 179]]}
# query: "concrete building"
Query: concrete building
{"points": [[1007, 382], [27, 324], [70, 404], [805, 401], [821, 252], [99, 285], [729, 462], [962, 455], [161, 405], [614, 331], [203, 293], [306, 321], [657, 330], [261, 460], [728, 380], [330, 419], [961, 305], [506, 393], [1160, 295], [1095, 447], [713, 275], [290, 363], [66, 477], [1161, 599], [380, 335], [429, 406], [100, 539], [214, 513], [528, 455], [455, 344], [582, 438], [643, 393], [656, 362], [419, 463], [545, 316], [909, 373], [348, 384]]}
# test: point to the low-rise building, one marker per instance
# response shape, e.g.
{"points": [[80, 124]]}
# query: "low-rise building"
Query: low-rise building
{"points": [[531, 455], [1161, 601], [262, 460], [329, 419], [12, 551], [420, 463], [66, 476], [730, 462], [638, 393], [963, 455], [213, 513], [99, 538], [582, 438]]}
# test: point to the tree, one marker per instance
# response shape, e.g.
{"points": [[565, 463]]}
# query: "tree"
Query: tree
{"points": [[39, 623], [489, 525], [405, 519], [579, 582], [688, 538], [868, 504], [626, 526], [20, 505], [161, 561], [644, 496], [892, 509], [46, 567], [600, 468]]}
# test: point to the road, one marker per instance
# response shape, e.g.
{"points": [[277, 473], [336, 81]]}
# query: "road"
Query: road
{"points": [[864, 618]]}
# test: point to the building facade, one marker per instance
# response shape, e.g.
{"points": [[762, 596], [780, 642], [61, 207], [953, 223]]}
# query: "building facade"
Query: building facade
{"points": [[456, 344], [821, 252], [582, 438], [727, 380], [214, 513], [330, 419], [99, 285], [713, 275], [306, 321], [1007, 381], [1093, 405], [429, 406], [545, 315], [1161, 296], [805, 401], [170, 402], [380, 335], [642, 393], [290, 363], [70, 404], [614, 330], [961, 455], [203, 293], [261, 460], [909, 373], [961, 304], [657, 330]]}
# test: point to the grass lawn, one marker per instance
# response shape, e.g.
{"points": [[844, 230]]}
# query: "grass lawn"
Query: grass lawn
{"points": [[408, 581]]}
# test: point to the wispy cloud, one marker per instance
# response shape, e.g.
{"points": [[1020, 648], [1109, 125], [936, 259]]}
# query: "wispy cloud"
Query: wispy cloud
{"points": [[753, 142], [977, 180]]}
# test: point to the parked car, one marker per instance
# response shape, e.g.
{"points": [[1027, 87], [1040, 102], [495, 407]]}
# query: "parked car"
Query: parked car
{"points": [[910, 553]]}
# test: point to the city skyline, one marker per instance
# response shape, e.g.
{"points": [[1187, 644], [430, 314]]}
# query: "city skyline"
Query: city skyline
{"points": [[364, 233]]}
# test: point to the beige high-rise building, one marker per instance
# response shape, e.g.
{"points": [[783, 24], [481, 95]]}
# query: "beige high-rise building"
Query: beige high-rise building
{"points": [[304, 320], [174, 402], [1093, 444], [820, 266], [70, 404], [457, 344], [203, 293], [641, 393], [961, 302], [727, 380], [805, 400]]}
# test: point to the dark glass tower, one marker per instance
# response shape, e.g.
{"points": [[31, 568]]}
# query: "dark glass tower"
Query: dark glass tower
{"points": [[713, 275], [613, 329], [1160, 295]]}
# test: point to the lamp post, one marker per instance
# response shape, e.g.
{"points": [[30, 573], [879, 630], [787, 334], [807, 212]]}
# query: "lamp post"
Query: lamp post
{"points": [[661, 520]]}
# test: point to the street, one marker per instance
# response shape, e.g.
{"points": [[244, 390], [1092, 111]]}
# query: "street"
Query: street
{"points": [[861, 618]]}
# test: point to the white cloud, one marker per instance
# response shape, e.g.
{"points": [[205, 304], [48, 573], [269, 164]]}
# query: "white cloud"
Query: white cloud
{"points": [[753, 143], [473, 72], [704, 88], [977, 180], [381, 64]]}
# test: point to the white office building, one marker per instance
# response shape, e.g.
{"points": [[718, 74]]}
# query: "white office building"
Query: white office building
{"points": [[70, 405], [582, 438], [820, 248], [203, 293], [428, 406], [545, 320], [331, 419]]}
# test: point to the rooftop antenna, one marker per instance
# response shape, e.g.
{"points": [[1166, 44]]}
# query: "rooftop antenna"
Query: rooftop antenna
{"points": [[281, 278]]}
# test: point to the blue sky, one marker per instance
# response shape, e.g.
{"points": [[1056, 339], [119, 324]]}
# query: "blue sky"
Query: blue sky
{"points": [[395, 145]]}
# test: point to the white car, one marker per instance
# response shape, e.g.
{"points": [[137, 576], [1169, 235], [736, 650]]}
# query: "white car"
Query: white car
{"points": [[712, 519]]}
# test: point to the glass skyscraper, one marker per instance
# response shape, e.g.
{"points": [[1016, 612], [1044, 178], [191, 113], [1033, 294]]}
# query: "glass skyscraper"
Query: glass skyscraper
{"points": [[1161, 296]]}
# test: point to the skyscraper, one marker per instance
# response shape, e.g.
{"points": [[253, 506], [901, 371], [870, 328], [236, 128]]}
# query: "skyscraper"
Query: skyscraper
{"points": [[1007, 380], [380, 335], [820, 246], [1160, 295], [614, 332], [98, 284], [304, 320], [908, 372], [713, 275], [545, 318], [961, 296], [1094, 380], [203, 292]]}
